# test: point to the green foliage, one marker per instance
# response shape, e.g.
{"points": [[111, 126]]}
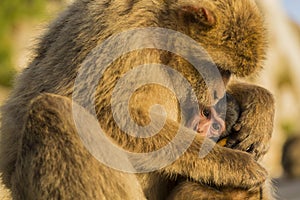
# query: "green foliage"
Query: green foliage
{"points": [[13, 12], [288, 127]]}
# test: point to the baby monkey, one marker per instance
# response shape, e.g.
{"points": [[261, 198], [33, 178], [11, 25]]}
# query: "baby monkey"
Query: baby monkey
{"points": [[216, 122]]}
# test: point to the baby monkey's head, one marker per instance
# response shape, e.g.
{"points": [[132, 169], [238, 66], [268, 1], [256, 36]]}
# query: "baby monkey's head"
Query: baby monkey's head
{"points": [[216, 122]]}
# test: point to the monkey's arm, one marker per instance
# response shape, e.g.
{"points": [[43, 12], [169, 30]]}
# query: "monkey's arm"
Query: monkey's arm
{"points": [[255, 125], [51, 157], [53, 163], [179, 147], [221, 166]]}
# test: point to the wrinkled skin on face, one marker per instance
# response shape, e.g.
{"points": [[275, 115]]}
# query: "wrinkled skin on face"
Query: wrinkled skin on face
{"points": [[207, 123], [216, 122]]}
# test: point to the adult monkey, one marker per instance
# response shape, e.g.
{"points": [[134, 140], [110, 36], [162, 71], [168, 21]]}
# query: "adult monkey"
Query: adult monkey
{"points": [[42, 156]]}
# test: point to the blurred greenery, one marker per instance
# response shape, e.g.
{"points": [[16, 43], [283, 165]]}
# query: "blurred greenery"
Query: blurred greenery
{"points": [[289, 127], [13, 12]]}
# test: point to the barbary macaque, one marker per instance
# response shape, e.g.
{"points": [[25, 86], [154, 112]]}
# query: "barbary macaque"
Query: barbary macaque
{"points": [[50, 122], [216, 122]]}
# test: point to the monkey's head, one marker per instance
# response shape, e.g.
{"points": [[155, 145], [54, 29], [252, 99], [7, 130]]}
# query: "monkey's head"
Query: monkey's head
{"points": [[231, 31]]}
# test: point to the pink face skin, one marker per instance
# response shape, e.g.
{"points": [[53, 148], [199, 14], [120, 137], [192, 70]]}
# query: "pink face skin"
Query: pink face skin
{"points": [[207, 123]]}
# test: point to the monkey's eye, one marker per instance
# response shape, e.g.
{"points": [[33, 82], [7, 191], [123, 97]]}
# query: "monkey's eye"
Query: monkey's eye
{"points": [[206, 112], [216, 126]]}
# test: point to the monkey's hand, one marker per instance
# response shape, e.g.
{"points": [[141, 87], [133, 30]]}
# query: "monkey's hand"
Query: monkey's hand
{"points": [[220, 167], [254, 128]]}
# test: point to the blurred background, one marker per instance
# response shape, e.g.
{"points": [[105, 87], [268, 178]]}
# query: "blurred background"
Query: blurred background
{"points": [[23, 22]]}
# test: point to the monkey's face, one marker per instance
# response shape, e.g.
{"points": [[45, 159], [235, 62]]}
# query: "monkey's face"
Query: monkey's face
{"points": [[207, 123]]}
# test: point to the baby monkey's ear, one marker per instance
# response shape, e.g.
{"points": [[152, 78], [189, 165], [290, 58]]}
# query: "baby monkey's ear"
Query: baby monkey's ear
{"points": [[196, 14]]}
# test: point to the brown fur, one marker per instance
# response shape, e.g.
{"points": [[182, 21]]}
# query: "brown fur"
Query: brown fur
{"points": [[194, 191], [260, 104], [229, 110], [230, 113], [42, 156]]}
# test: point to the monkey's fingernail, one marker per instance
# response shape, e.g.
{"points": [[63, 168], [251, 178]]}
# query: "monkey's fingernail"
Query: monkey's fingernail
{"points": [[250, 148], [237, 127]]}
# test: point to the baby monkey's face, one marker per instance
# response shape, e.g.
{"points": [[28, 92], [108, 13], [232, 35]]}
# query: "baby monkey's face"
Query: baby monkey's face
{"points": [[207, 123]]}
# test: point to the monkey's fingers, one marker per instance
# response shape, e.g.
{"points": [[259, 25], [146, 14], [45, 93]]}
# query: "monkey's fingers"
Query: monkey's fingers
{"points": [[255, 148], [248, 136], [232, 142], [253, 131], [241, 130], [249, 140], [238, 135]]}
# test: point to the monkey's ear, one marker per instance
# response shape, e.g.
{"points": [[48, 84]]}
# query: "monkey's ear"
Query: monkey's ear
{"points": [[200, 15]]}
